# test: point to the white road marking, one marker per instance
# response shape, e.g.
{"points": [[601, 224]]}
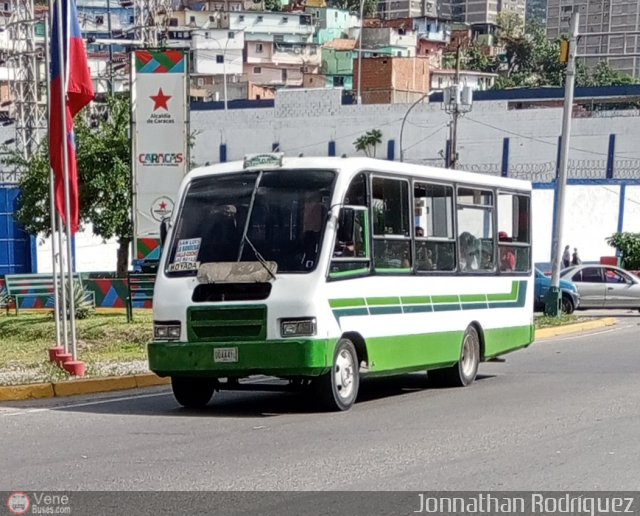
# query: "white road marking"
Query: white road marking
{"points": [[84, 404]]}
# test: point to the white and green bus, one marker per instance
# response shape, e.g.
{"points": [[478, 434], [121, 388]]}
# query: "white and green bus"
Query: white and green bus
{"points": [[320, 271]]}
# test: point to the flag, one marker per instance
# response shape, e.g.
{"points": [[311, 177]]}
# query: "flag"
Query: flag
{"points": [[69, 74]]}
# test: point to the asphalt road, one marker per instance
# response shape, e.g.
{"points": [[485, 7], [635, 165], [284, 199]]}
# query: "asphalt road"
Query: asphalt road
{"points": [[561, 415]]}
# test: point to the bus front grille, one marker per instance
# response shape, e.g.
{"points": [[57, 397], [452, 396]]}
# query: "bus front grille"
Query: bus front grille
{"points": [[229, 323]]}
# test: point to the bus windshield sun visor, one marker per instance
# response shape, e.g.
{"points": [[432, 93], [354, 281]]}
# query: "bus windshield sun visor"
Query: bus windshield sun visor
{"points": [[237, 272]]}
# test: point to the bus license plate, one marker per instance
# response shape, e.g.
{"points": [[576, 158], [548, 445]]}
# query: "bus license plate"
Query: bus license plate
{"points": [[225, 354]]}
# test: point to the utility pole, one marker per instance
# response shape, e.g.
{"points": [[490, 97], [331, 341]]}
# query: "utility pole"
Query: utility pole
{"points": [[453, 138], [554, 295], [457, 101], [110, 47]]}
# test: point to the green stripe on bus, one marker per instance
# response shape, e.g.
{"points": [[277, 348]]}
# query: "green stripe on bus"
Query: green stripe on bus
{"points": [[415, 300], [473, 298], [511, 296], [348, 302], [385, 310], [380, 301], [420, 304], [445, 299]]}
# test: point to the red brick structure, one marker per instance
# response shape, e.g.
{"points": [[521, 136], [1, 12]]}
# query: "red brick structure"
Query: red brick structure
{"points": [[391, 80]]}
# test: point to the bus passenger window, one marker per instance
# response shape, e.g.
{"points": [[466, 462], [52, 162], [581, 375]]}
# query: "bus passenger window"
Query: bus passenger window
{"points": [[433, 212]]}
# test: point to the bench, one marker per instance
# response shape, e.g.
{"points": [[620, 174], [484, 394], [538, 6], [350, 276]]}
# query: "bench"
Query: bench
{"points": [[28, 291], [140, 285]]}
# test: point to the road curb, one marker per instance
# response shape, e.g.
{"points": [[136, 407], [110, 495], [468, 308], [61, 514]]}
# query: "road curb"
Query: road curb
{"points": [[79, 387], [568, 329]]}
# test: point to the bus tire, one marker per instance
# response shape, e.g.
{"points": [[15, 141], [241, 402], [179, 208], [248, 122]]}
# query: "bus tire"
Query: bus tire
{"points": [[463, 373], [192, 392], [338, 389]]}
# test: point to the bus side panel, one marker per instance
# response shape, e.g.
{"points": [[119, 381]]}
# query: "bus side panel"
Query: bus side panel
{"points": [[413, 323]]}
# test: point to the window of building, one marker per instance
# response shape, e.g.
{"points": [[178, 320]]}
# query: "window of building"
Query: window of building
{"points": [[219, 58], [231, 35], [475, 214], [241, 18], [258, 48], [285, 19], [99, 20], [434, 236], [259, 19], [391, 225], [338, 81], [257, 70]]}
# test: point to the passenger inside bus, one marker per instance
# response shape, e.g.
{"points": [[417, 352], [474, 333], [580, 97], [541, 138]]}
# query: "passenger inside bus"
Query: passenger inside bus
{"points": [[469, 252], [507, 256]]}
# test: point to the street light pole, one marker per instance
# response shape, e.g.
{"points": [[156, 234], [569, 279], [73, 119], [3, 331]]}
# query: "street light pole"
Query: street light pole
{"points": [[554, 296], [404, 119]]}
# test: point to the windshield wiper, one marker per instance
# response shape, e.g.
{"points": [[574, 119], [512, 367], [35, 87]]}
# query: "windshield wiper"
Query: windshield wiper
{"points": [[260, 258], [245, 238], [248, 219]]}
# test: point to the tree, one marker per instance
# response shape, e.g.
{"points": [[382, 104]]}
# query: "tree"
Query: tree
{"points": [[103, 152], [628, 244], [369, 8], [368, 142]]}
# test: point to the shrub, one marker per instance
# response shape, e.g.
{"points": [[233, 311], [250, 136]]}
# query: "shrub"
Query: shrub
{"points": [[628, 245], [81, 301]]}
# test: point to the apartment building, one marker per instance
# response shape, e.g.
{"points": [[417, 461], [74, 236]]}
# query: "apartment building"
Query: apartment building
{"points": [[600, 16]]}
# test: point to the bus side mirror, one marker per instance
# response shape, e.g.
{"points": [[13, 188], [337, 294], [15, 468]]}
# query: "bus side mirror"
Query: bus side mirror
{"points": [[164, 229], [346, 223]]}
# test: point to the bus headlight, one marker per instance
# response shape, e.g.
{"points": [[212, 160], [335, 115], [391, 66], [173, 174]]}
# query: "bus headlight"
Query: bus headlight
{"points": [[304, 327], [166, 330]]}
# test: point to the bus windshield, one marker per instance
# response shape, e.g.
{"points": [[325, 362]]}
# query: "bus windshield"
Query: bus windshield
{"points": [[282, 211]]}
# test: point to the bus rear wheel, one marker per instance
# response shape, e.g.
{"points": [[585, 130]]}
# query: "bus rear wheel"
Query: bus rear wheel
{"points": [[338, 389], [192, 392], [464, 372]]}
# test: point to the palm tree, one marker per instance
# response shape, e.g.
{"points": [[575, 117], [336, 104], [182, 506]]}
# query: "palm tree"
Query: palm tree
{"points": [[368, 142]]}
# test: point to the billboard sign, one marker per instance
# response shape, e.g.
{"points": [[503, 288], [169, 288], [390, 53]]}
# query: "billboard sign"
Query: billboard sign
{"points": [[160, 121]]}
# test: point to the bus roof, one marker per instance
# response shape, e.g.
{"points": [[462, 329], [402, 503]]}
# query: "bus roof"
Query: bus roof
{"points": [[352, 165]]}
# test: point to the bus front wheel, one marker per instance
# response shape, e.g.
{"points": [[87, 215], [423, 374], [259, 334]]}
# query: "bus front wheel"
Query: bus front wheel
{"points": [[192, 392], [338, 388], [464, 372]]}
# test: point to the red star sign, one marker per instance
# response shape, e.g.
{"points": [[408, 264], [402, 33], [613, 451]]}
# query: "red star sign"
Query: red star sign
{"points": [[160, 100], [163, 205]]}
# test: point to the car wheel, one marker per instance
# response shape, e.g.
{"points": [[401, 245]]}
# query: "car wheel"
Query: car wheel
{"points": [[192, 392], [567, 305], [464, 372], [338, 388]]}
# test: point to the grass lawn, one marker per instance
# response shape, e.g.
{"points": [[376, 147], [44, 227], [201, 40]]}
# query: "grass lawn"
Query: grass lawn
{"points": [[106, 342]]}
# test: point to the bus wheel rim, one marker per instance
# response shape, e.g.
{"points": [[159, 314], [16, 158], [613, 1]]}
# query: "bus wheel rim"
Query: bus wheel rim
{"points": [[344, 374], [468, 356]]}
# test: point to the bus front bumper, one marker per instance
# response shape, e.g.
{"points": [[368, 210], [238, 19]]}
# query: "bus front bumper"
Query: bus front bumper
{"points": [[283, 358]]}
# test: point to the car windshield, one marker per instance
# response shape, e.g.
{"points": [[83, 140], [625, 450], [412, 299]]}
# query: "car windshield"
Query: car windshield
{"points": [[276, 215]]}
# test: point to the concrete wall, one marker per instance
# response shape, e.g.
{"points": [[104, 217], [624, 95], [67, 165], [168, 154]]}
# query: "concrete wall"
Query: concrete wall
{"points": [[493, 139]]}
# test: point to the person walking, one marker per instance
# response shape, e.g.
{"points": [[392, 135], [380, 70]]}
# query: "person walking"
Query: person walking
{"points": [[566, 257], [575, 259]]}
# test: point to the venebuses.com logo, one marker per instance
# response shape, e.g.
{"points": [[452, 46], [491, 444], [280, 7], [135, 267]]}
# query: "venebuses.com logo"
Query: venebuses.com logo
{"points": [[18, 503]]}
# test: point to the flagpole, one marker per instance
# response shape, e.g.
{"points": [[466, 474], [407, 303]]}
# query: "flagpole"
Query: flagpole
{"points": [[65, 156], [63, 292], [52, 205]]}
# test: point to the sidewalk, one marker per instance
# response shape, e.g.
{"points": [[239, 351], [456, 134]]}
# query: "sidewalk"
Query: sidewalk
{"points": [[84, 386]]}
